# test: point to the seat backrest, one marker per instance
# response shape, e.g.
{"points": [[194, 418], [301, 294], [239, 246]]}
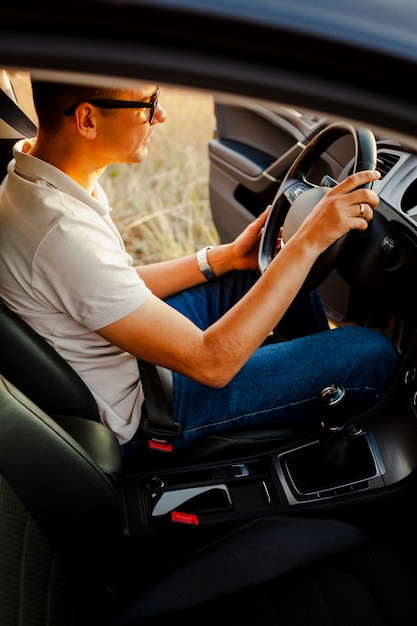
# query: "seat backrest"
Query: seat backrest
{"points": [[32, 365], [59, 518], [29, 569]]}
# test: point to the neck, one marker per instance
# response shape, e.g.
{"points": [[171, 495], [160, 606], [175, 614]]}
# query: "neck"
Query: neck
{"points": [[81, 170]]}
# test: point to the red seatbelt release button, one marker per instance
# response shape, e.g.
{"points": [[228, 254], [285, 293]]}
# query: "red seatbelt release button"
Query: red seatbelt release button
{"points": [[158, 444], [184, 518]]}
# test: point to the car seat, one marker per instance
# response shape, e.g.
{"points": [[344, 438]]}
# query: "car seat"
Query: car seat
{"points": [[49, 488], [61, 563], [29, 362]]}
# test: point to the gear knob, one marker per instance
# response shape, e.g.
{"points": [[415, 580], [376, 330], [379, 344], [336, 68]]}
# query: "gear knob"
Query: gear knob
{"points": [[332, 398]]}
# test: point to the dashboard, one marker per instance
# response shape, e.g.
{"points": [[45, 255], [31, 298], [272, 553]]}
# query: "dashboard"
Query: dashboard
{"points": [[383, 263]]}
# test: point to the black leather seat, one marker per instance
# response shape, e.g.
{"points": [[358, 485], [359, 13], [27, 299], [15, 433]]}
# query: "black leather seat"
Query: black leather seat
{"points": [[54, 500], [61, 562], [30, 363], [33, 366]]}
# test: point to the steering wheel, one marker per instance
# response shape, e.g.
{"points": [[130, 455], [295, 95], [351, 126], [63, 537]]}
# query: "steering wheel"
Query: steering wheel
{"points": [[297, 197]]}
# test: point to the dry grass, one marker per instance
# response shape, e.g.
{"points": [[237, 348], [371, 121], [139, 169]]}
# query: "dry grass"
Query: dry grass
{"points": [[161, 206]]}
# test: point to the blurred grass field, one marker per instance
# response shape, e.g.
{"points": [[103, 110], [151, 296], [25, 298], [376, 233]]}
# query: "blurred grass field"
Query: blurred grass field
{"points": [[161, 206]]}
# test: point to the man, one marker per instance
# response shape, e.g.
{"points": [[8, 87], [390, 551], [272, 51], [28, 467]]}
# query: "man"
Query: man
{"points": [[205, 317]]}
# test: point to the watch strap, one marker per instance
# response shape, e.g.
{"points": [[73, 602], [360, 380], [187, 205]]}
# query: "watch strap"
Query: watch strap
{"points": [[204, 265]]}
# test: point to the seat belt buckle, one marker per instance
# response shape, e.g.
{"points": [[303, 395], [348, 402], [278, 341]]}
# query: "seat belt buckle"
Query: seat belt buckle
{"points": [[158, 444], [159, 436]]}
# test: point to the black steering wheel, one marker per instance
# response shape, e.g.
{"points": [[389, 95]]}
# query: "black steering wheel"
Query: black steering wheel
{"points": [[296, 198]]}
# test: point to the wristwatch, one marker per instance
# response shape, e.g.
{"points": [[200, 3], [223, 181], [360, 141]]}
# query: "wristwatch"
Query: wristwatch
{"points": [[204, 265]]}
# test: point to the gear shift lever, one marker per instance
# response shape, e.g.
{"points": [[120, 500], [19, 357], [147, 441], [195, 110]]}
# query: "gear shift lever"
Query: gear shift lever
{"points": [[334, 436], [332, 398], [340, 456]]}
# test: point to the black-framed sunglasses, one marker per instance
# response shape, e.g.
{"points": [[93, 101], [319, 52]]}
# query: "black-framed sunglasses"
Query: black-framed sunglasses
{"points": [[120, 104]]}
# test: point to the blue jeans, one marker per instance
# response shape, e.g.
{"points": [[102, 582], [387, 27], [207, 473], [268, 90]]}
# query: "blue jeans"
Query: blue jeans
{"points": [[282, 380]]}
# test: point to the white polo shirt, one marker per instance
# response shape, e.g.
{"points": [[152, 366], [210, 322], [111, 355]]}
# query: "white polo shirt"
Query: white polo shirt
{"points": [[64, 269]]}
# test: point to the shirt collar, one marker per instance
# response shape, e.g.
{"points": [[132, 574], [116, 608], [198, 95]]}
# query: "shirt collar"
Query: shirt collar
{"points": [[40, 172]]}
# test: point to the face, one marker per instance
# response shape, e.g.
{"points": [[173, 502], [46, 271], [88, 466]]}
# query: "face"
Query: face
{"points": [[126, 132]]}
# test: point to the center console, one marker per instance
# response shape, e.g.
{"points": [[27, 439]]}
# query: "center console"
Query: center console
{"points": [[309, 473]]}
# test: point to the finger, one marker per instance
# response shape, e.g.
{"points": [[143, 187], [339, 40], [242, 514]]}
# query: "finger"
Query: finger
{"points": [[360, 209], [361, 214], [260, 221], [356, 180], [365, 211], [267, 211]]}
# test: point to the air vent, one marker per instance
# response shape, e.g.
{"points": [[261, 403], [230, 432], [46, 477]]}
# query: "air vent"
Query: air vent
{"points": [[385, 162]]}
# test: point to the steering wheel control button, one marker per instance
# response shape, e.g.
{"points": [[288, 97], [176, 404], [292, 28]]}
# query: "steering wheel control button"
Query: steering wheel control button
{"points": [[296, 191], [328, 181]]}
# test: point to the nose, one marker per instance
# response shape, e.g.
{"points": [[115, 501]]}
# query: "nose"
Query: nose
{"points": [[160, 115]]}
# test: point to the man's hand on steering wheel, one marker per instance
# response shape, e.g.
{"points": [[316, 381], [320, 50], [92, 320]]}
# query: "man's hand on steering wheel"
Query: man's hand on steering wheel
{"points": [[335, 216], [246, 244], [345, 207]]}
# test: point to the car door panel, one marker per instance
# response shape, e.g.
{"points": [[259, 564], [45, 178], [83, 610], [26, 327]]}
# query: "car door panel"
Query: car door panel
{"points": [[252, 150]]}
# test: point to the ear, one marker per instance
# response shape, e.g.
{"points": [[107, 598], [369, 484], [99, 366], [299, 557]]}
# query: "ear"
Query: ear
{"points": [[85, 120]]}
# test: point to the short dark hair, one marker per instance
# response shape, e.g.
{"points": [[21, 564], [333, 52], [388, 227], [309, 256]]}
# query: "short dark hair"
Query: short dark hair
{"points": [[51, 99]]}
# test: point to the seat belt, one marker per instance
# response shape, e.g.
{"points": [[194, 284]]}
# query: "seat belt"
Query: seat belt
{"points": [[158, 425], [13, 115]]}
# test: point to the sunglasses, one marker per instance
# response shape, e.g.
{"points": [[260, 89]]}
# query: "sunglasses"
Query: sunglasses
{"points": [[120, 104]]}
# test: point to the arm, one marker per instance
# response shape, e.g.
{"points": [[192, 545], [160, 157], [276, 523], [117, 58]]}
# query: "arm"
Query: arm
{"points": [[215, 355]]}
